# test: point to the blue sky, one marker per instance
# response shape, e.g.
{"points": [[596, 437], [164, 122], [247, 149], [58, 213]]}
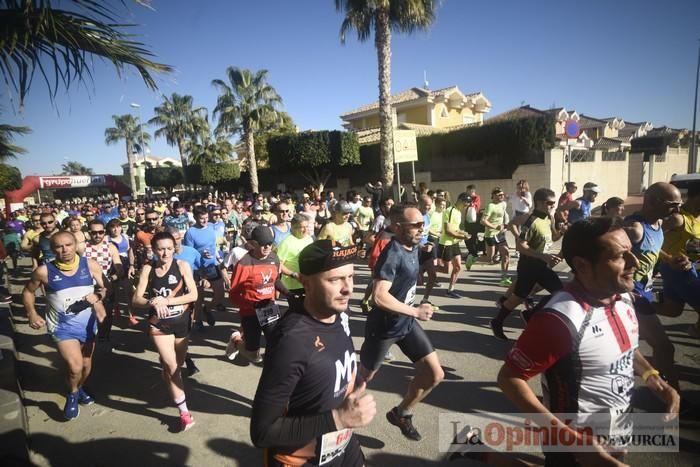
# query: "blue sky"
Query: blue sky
{"points": [[631, 59]]}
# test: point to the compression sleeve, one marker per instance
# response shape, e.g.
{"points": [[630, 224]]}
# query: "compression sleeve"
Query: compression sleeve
{"points": [[269, 426]]}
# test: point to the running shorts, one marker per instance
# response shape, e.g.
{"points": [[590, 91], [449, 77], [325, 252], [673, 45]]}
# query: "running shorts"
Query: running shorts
{"points": [[681, 286], [533, 271], [179, 326], [415, 345]]}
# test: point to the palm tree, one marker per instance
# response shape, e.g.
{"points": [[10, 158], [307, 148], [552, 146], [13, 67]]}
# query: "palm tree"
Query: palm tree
{"points": [[245, 101], [61, 42], [380, 17], [127, 128], [75, 168], [179, 123], [7, 148]]}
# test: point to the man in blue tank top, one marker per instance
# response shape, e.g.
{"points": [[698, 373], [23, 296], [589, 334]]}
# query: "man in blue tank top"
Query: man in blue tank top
{"points": [[71, 317], [580, 209]]}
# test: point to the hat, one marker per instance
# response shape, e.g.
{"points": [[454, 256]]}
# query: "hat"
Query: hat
{"points": [[590, 186], [256, 208], [323, 255], [263, 235], [343, 206], [464, 198]]}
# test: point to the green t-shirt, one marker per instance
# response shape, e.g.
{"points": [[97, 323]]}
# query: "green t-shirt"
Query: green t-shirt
{"points": [[453, 217], [364, 217], [288, 253], [537, 232], [338, 233], [435, 228], [495, 214]]}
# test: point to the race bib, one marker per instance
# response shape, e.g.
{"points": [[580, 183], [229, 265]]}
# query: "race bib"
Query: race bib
{"points": [[621, 426], [175, 310], [333, 445], [410, 296], [267, 312]]}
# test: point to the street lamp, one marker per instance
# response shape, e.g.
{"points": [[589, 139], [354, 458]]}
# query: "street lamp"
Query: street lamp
{"points": [[134, 105]]}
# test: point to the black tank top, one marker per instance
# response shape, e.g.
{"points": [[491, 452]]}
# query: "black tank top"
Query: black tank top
{"points": [[171, 284]]}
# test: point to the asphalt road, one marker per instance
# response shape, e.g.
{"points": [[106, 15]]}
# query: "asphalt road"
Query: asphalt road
{"points": [[133, 422]]}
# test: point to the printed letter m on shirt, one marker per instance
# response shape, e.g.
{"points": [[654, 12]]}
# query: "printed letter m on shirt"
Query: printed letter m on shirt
{"points": [[344, 370]]}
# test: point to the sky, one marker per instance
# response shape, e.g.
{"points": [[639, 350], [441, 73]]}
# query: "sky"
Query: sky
{"points": [[630, 59]]}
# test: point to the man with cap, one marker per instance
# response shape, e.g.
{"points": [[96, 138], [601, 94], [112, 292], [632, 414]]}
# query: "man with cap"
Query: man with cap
{"points": [[253, 291], [307, 402], [339, 230], [288, 251], [393, 318], [580, 209]]}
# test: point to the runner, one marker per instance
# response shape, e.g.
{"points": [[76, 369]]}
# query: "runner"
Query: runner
{"points": [[288, 252], [71, 316], [449, 253], [282, 228], [178, 218], [76, 228], [338, 229], [307, 402], [41, 244], [393, 318], [580, 209], [253, 291], [428, 250], [99, 248], [495, 220], [680, 258], [644, 228], [534, 235], [585, 342], [171, 291], [123, 287]]}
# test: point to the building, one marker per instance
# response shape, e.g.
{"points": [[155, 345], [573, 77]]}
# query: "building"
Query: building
{"points": [[422, 110], [140, 164]]}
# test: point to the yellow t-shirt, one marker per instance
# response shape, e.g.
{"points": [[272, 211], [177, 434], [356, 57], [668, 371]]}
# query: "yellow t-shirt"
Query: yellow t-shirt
{"points": [[453, 217]]}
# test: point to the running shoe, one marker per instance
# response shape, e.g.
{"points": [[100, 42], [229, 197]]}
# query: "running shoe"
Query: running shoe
{"points": [[191, 367], [388, 356], [259, 359], [209, 316], [471, 259], [505, 281], [84, 398], [132, 320], [405, 423], [453, 294], [5, 299], [364, 306], [232, 347], [71, 410], [497, 328], [186, 421]]}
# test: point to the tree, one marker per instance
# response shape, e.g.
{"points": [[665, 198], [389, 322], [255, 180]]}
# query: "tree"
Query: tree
{"points": [[380, 17], [243, 103], [314, 154], [217, 175], [166, 177], [10, 178], [179, 123], [36, 32], [75, 168], [127, 128], [274, 125]]}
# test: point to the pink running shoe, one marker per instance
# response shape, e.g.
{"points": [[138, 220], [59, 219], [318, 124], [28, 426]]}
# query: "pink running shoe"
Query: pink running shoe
{"points": [[186, 421]]}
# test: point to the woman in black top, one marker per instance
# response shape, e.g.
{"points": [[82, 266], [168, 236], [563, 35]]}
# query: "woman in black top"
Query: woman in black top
{"points": [[171, 291]]}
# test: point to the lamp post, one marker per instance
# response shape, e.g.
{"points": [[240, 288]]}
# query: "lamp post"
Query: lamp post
{"points": [[692, 158], [134, 105]]}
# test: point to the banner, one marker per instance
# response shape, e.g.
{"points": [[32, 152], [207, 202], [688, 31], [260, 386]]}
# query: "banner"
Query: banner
{"points": [[71, 181]]}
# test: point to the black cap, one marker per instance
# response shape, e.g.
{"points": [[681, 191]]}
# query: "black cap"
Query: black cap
{"points": [[256, 208], [323, 255], [263, 235]]}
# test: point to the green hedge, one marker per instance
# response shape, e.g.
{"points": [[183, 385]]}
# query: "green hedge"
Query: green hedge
{"points": [[166, 177], [313, 149], [222, 174]]}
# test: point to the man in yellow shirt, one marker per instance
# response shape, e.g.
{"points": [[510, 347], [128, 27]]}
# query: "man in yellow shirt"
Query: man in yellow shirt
{"points": [[448, 251]]}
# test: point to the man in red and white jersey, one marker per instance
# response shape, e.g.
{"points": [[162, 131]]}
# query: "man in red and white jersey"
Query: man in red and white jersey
{"points": [[584, 341]]}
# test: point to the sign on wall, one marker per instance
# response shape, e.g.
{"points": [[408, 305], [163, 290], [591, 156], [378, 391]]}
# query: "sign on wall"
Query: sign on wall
{"points": [[405, 147], [72, 181]]}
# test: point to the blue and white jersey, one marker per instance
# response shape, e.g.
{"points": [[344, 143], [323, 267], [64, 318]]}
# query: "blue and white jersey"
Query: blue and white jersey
{"points": [[62, 291]]}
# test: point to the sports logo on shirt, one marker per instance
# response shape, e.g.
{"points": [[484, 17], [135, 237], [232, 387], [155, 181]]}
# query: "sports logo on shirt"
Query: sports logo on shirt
{"points": [[266, 277], [344, 372], [597, 330], [319, 345], [56, 278], [172, 279]]}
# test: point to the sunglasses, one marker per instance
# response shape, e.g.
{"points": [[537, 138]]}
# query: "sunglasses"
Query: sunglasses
{"points": [[415, 225], [216, 214], [551, 203], [265, 245], [47, 223], [284, 211], [97, 232], [152, 219]]}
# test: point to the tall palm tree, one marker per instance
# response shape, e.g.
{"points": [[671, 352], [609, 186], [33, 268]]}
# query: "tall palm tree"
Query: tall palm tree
{"points": [[127, 128], [8, 149], [62, 41], [75, 168], [245, 101], [381, 17], [179, 123]]}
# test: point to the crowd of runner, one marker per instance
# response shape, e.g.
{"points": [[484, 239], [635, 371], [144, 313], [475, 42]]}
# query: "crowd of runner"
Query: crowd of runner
{"points": [[285, 264]]}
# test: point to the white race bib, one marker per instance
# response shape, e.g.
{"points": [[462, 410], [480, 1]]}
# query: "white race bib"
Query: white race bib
{"points": [[333, 445]]}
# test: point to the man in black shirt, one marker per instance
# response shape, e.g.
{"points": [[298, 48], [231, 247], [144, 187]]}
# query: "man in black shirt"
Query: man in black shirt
{"points": [[393, 319], [307, 402]]}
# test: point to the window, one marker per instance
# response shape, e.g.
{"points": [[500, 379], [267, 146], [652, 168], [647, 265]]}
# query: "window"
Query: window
{"points": [[444, 113], [467, 119], [578, 155], [615, 156], [660, 157]]}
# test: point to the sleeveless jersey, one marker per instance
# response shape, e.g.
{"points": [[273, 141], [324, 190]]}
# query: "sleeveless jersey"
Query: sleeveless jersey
{"points": [[280, 235], [646, 251], [579, 214], [686, 240], [171, 284], [340, 233], [62, 291], [122, 245], [537, 232], [100, 253], [47, 253]]}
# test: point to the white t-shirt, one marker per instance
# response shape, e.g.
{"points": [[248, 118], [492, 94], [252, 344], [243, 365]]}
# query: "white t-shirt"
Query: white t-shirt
{"points": [[520, 205]]}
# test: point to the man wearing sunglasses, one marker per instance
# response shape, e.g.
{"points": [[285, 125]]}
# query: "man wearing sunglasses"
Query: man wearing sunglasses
{"points": [[41, 246], [102, 251], [534, 233]]}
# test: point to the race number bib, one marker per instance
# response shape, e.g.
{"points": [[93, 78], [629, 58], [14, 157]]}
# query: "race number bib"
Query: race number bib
{"points": [[410, 296], [267, 312], [333, 445]]}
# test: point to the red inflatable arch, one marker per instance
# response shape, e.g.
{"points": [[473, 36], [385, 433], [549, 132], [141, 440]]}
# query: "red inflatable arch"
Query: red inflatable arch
{"points": [[32, 183]]}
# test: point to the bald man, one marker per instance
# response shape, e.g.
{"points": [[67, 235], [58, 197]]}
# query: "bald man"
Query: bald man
{"points": [[644, 229]]}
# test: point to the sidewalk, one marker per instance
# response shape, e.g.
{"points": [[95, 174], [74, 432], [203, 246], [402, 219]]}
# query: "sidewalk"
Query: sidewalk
{"points": [[133, 422]]}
